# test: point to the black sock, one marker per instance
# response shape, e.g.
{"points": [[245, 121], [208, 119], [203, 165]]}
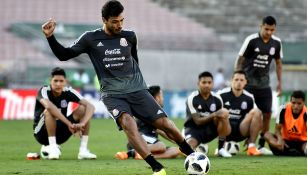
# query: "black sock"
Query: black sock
{"points": [[185, 148], [221, 143], [261, 141], [131, 153], [155, 165]]}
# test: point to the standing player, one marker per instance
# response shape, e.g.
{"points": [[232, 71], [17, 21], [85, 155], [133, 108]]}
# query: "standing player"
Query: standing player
{"points": [[52, 126], [244, 117], [255, 56], [113, 52], [206, 117], [150, 134], [290, 138]]}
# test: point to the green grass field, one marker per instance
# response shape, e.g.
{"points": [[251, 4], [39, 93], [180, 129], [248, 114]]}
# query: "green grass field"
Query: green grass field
{"points": [[16, 141]]}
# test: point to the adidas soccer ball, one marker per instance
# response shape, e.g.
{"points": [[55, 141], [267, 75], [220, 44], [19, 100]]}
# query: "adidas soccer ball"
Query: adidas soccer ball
{"points": [[44, 152], [232, 147], [203, 148], [197, 163]]}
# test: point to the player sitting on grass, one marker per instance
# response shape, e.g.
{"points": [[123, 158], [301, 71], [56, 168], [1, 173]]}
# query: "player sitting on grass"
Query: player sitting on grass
{"points": [[150, 135], [290, 137], [244, 117], [51, 124]]}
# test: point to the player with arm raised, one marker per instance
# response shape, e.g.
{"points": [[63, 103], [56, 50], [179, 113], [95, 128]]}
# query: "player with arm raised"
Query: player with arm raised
{"points": [[52, 126], [255, 57], [113, 52]]}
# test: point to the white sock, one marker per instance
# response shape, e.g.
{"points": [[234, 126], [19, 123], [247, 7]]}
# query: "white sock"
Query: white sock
{"points": [[52, 140], [251, 145], [83, 143]]}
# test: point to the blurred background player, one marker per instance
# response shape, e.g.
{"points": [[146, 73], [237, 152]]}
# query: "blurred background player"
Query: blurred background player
{"points": [[52, 126], [150, 135], [206, 117], [113, 53], [244, 117], [290, 137], [255, 57]]}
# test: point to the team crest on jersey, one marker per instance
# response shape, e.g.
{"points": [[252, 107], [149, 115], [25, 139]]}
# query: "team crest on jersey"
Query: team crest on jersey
{"points": [[115, 112], [123, 42], [63, 104], [272, 51], [213, 107], [244, 105]]}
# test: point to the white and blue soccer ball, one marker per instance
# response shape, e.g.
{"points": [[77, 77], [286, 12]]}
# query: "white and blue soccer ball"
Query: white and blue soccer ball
{"points": [[232, 147], [203, 148], [197, 163]]}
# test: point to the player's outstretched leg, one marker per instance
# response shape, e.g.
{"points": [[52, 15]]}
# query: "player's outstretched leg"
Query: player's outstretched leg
{"points": [[173, 133], [138, 143]]}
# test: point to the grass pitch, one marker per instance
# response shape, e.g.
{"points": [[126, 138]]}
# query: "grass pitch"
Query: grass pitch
{"points": [[16, 140]]}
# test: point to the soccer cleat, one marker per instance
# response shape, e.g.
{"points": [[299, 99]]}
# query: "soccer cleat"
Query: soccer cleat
{"points": [[265, 151], [137, 156], [223, 153], [54, 152], [121, 155], [161, 172], [253, 151], [86, 154]]}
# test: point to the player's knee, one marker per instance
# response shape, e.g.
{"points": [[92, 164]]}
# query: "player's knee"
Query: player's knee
{"points": [[127, 122]]}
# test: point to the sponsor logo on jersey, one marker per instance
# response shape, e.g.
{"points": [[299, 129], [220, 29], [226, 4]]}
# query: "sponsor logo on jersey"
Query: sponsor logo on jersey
{"points": [[213, 107], [294, 131], [115, 112], [100, 44], [257, 50], [64, 104], [244, 105], [272, 51], [123, 42], [112, 52]]}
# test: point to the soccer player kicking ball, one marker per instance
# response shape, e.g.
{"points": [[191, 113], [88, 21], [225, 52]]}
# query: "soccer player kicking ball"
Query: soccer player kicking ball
{"points": [[113, 52], [244, 117], [51, 124], [290, 137]]}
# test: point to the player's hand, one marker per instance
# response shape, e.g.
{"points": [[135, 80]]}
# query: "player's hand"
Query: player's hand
{"points": [[48, 27], [71, 128], [80, 127]]}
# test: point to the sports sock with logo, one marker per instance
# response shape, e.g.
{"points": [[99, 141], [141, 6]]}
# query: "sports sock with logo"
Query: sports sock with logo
{"points": [[155, 165]]}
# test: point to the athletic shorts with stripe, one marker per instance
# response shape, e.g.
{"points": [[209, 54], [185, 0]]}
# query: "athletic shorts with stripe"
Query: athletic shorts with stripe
{"points": [[139, 104], [62, 131]]}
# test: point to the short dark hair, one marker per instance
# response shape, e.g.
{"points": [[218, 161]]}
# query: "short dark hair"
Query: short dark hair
{"points": [[58, 71], [205, 74], [239, 72], [269, 20], [298, 94], [154, 90], [111, 8]]}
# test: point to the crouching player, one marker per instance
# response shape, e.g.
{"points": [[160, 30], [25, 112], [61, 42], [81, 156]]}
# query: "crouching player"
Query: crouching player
{"points": [[51, 124], [290, 137], [244, 117]]}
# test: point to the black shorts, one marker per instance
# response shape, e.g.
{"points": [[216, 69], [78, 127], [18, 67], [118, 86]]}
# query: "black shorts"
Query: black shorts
{"points": [[235, 134], [62, 131], [203, 134], [295, 149], [263, 98], [139, 104]]}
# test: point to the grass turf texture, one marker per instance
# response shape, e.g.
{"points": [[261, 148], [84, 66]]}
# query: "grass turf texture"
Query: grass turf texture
{"points": [[16, 141]]}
